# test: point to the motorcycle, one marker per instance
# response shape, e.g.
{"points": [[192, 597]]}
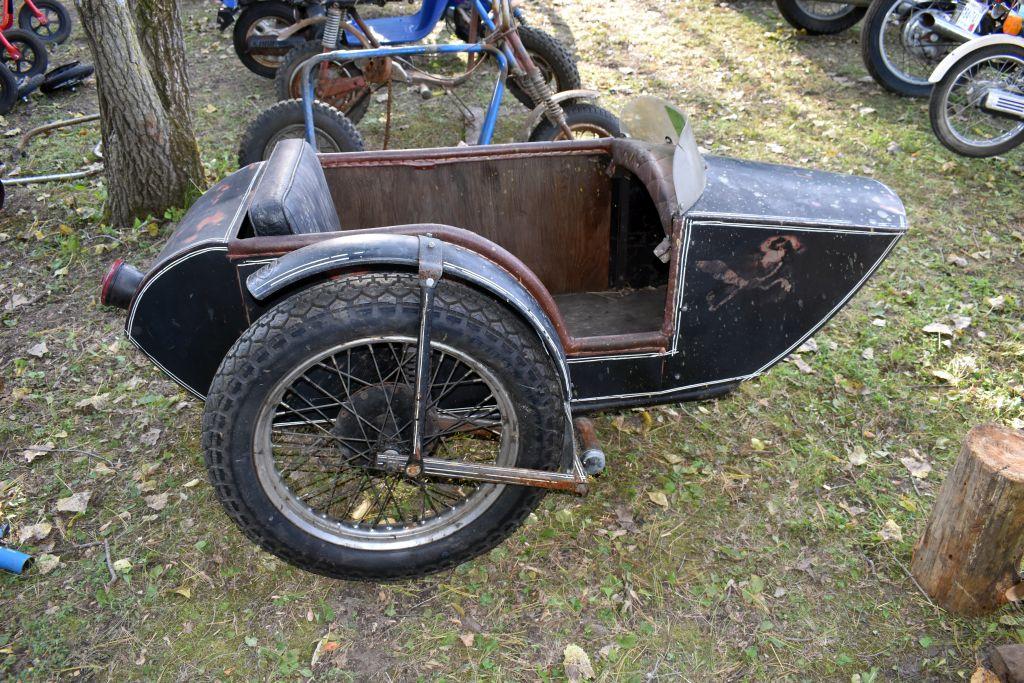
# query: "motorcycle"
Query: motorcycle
{"points": [[903, 40], [346, 79], [977, 104], [819, 17], [270, 34], [398, 349]]}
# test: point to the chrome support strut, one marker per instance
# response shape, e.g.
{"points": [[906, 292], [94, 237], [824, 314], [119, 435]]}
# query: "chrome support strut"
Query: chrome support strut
{"points": [[431, 268]]}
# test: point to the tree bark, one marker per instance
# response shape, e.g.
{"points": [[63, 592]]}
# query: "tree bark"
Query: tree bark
{"points": [[150, 153], [158, 25], [967, 560]]}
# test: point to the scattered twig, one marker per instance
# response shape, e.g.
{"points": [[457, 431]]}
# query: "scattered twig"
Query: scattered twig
{"points": [[911, 577], [110, 566]]}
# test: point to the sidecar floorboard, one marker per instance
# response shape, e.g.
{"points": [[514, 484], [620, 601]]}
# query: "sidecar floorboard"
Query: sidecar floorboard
{"points": [[592, 314]]}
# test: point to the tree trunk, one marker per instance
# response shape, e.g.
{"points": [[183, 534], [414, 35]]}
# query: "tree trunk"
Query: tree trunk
{"points": [[150, 153], [968, 558], [158, 25]]}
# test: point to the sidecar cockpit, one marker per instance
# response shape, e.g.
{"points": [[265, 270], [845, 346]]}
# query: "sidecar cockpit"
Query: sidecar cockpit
{"points": [[653, 273]]}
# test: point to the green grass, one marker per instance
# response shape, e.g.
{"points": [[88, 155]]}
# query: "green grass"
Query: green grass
{"points": [[768, 562]]}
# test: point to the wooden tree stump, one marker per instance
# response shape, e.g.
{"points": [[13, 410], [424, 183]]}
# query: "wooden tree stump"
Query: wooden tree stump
{"points": [[968, 557]]}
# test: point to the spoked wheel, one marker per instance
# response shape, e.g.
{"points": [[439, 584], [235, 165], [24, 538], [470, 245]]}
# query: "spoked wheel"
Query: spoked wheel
{"points": [[586, 122], [958, 111], [284, 121], [263, 20], [329, 86], [818, 17], [57, 25], [310, 418], [32, 60], [555, 62], [898, 50]]}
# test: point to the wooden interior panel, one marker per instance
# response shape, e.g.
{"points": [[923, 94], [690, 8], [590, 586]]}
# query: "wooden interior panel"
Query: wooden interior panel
{"points": [[553, 212]]}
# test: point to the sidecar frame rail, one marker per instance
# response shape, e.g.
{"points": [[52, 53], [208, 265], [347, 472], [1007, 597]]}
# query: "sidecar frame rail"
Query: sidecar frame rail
{"points": [[339, 56]]}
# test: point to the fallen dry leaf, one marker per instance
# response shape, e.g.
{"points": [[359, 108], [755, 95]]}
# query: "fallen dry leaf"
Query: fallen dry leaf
{"points": [[38, 350], [941, 329], [857, 456], [809, 346], [467, 639], [74, 503], [671, 458], [123, 565], [157, 502], [46, 563], [891, 531], [919, 469], [868, 354], [983, 675], [957, 260], [577, 664], [33, 452], [996, 302], [34, 532], [802, 365], [658, 498]]}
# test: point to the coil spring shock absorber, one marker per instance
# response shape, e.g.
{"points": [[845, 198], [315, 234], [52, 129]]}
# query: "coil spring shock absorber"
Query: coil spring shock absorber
{"points": [[540, 92], [331, 28]]}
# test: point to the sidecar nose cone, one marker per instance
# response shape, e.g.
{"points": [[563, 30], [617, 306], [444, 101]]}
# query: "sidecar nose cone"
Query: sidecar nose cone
{"points": [[119, 284]]}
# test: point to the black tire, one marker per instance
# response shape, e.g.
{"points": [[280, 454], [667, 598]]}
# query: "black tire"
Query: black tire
{"points": [[937, 106], [8, 90], [58, 26], [284, 120], [312, 325], [288, 86], [552, 58], [66, 77], [261, 18], [900, 68], [585, 120], [802, 16], [33, 60]]}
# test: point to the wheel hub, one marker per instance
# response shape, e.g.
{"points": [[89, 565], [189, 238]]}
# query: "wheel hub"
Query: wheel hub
{"points": [[921, 41]]}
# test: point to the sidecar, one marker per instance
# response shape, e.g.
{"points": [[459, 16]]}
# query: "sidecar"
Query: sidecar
{"points": [[387, 340]]}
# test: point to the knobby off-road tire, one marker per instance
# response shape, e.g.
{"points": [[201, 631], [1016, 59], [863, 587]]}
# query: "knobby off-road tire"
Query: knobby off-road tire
{"points": [[585, 121], [58, 27], [802, 14], [553, 59], [321, 323], [263, 13], [288, 81], [1005, 132], [284, 120]]}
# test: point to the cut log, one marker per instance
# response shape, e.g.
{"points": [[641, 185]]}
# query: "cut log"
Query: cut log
{"points": [[967, 560], [1008, 663]]}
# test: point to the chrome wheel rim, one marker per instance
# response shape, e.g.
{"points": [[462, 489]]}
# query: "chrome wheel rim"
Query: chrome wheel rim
{"points": [[324, 142], [585, 131], [965, 119], [264, 28], [322, 426], [905, 44]]}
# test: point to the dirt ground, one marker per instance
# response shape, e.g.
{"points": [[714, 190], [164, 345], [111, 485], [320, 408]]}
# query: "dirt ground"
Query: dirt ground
{"points": [[782, 548]]}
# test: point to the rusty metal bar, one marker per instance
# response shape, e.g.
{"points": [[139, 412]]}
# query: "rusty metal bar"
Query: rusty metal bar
{"points": [[568, 482]]}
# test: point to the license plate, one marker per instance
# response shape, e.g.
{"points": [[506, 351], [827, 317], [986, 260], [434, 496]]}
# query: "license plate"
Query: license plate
{"points": [[970, 16]]}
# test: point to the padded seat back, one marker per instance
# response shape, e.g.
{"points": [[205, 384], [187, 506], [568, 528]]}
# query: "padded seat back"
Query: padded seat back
{"points": [[292, 198]]}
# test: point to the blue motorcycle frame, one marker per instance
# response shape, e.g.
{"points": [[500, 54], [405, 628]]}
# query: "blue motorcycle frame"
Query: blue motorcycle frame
{"points": [[504, 57], [490, 116], [415, 27]]}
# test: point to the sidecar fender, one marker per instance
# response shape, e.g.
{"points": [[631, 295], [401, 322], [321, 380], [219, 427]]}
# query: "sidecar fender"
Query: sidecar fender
{"points": [[978, 43], [538, 112], [357, 251]]}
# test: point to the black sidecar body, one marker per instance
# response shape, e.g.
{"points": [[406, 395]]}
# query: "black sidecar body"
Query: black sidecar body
{"points": [[396, 348]]}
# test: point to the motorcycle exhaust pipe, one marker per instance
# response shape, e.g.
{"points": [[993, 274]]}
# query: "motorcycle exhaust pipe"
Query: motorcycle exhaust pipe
{"points": [[1003, 102], [120, 284], [937, 23]]}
